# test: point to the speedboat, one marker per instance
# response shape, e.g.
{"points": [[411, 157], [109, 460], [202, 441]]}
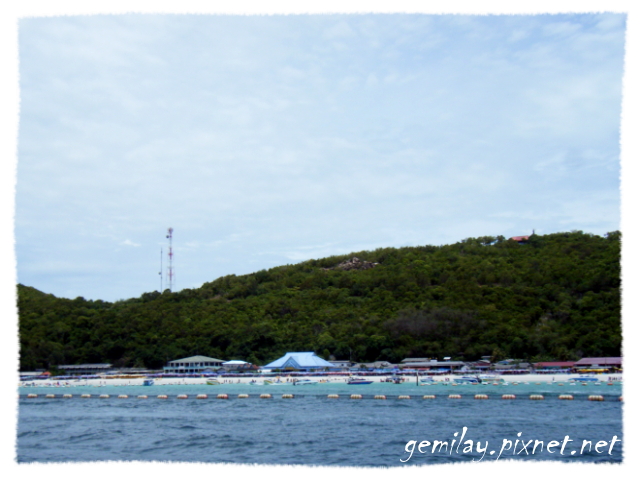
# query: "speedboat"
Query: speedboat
{"points": [[358, 381], [213, 381], [147, 382], [467, 380], [488, 379], [304, 382]]}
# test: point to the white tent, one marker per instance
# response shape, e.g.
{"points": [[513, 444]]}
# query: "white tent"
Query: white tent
{"points": [[299, 361]]}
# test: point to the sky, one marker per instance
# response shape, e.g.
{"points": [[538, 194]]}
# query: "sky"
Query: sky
{"points": [[270, 140]]}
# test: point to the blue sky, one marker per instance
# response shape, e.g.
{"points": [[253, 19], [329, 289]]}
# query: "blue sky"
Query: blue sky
{"points": [[267, 140]]}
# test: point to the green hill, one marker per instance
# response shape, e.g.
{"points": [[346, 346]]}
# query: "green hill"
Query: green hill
{"points": [[554, 297]]}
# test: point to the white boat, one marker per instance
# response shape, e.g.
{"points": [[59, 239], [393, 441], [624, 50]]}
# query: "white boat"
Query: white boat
{"points": [[488, 379], [213, 381], [467, 380], [304, 382]]}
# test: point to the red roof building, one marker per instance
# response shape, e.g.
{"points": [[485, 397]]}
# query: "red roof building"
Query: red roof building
{"points": [[553, 365], [599, 362]]}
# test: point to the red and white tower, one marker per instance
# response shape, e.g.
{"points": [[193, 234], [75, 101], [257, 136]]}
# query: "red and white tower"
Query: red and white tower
{"points": [[170, 273]]}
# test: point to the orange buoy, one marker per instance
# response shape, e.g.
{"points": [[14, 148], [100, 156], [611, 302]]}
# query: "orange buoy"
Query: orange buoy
{"points": [[243, 395], [565, 397], [455, 396], [481, 397], [222, 396], [428, 397], [508, 396], [404, 397], [333, 395], [265, 395], [202, 396], [356, 396], [163, 397], [596, 398], [536, 397]]}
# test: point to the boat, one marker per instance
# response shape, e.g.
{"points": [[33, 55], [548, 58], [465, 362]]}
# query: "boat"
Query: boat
{"points": [[583, 379], [488, 379], [304, 382], [467, 380], [213, 381], [394, 380], [274, 382], [358, 381], [147, 382]]}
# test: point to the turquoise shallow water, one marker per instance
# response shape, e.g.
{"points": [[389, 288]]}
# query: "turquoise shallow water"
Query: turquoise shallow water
{"points": [[311, 429]]}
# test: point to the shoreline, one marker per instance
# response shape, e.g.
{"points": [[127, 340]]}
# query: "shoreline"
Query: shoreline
{"points": [[329, 379]]}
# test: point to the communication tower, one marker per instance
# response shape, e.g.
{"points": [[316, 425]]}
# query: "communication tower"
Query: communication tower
{"points": [[170, 273], [160, 272]]}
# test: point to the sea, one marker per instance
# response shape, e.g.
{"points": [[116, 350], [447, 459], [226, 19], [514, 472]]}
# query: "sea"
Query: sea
{"points": [[313, 429]]}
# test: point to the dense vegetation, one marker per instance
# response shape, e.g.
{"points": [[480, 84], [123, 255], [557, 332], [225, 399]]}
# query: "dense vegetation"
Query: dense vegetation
{"points": [[555, 297]]}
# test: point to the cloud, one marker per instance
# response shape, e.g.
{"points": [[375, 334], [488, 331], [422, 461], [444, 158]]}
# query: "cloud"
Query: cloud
{"points": [[129, 243]]}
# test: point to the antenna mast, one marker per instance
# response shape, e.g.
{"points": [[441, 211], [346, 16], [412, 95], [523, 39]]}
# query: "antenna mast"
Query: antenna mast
{"points": [[170, 269], [160, 272]]}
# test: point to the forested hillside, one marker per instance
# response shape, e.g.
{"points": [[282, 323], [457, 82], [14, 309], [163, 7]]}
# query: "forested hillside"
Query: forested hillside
{"points": [[554, 297]]}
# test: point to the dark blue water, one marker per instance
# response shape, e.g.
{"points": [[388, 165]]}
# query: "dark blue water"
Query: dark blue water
{"points": [[311, 429]]}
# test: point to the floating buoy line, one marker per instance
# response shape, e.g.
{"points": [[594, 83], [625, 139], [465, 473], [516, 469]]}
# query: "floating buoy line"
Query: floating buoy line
{"points": [[332, 396]]}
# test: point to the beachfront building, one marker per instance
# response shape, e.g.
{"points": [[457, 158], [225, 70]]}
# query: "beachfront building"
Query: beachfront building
{"points": [[377, 367], [430, 364], [598, 365], [482, 365], [299, 361], [553, 367], [238, 366], [85, 368], [195, 364], [38, 374], [340, 365], [511, 366]]}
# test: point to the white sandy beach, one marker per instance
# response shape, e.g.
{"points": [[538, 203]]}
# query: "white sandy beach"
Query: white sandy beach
{"points": [[340, 379]]}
